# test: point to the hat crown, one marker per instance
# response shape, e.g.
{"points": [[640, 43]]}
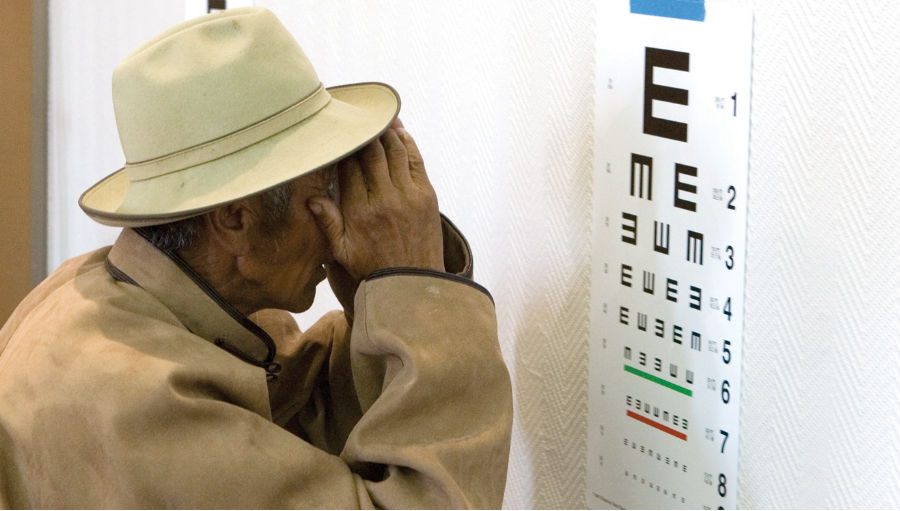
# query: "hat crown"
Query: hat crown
{"points": [[207, 78]]}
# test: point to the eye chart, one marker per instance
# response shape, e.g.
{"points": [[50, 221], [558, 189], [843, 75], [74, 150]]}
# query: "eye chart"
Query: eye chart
{"points": [[670, 209]]}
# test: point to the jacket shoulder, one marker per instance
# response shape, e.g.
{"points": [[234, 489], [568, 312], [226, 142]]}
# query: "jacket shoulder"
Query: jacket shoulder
{"points": [[66, 272]]}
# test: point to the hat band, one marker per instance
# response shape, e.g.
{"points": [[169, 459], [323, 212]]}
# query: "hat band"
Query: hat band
{"points": [[232, 142]]}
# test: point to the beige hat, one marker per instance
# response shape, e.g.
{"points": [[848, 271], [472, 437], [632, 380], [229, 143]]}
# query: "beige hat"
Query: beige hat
{"points": [[219, 108]]}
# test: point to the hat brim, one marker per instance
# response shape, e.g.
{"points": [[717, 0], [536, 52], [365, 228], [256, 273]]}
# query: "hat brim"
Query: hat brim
{"points": [[356, 115]]}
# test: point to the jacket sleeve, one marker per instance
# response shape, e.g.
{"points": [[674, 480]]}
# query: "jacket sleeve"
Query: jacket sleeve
{"points": [[415, 396], [434, 392], [414, 399]]}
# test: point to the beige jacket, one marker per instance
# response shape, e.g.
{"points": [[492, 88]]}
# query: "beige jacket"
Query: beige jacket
{"points": [[125, 383]]}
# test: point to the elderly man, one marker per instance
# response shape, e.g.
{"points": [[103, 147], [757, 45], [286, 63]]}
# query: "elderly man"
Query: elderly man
{"points": [[165, 371]]}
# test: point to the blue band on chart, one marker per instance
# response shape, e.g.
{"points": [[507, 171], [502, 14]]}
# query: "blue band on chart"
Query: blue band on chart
{"points": [[694, 10]]}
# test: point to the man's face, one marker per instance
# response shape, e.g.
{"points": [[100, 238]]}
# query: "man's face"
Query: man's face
{"points": [[289, 263]]}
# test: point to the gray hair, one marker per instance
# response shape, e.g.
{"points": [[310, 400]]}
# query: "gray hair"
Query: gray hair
{"points": [[183, 234]]}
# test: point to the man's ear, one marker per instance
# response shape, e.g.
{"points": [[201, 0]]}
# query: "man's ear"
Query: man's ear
{"points": [[230, 226]]}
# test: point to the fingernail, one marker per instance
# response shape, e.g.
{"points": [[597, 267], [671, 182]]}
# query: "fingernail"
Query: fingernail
{"points": [[315, 207]]}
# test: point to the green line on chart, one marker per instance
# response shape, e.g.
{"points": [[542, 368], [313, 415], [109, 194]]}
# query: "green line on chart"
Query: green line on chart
{"points": [[655, 379]]}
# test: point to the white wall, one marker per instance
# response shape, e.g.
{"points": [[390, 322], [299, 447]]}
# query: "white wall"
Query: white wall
{"points": [[499, 97], [821, 401], [87, 41]]}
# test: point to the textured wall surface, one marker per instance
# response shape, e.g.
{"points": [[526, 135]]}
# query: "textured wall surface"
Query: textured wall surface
{"points": [[499, 96], [821, 399]]}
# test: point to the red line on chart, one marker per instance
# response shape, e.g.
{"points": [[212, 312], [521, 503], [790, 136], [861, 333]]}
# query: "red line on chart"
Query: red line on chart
{"points": [[657, 425]]}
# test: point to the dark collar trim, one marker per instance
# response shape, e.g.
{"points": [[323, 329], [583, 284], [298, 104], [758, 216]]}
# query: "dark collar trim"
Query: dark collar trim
{"points": [[272, 368], [238, 316], [118, 274]]}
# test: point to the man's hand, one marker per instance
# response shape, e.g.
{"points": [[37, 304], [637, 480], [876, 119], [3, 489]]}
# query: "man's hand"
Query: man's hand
{"points": [[388, 213]]}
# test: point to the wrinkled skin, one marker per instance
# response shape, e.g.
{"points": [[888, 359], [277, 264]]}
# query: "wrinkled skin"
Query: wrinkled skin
{"points": [[387, 217]]}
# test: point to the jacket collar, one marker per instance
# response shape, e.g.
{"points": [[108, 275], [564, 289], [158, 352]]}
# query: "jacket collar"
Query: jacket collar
{"points": [[193, 301]]}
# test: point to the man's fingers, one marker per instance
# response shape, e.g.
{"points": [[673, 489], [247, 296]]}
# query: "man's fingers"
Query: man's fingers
{"points": [[398, 164], [350, 180], [375, 168], [331, 221], [413, 156]]}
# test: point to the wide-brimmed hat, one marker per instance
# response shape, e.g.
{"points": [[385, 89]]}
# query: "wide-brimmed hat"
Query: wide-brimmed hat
{"points": [[222, 107]]}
